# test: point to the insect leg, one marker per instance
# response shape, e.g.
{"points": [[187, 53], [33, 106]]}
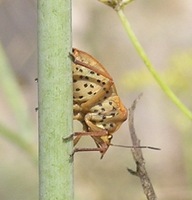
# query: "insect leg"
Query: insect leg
{"points": [[78, 135]]}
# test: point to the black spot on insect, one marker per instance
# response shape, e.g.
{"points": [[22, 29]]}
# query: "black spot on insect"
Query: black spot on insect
{"points": [[103, 83], [112, 114], [74, 81], [94, 93], [99, 104], [104, 117], [105, 97], [111, 125], [85, 85], [98, 74], [77, 68], [92, 72], [110, 102], [98, 81], [95, 111], [80, 70], [81, 77], [86, 77], [99, 113], [103, 109], [77, 89], [90, 92], [104, 125], [80, 97], [92, 86]]}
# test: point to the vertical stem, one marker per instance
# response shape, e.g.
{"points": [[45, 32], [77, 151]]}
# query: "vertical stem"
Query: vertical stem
{"points": [[55, 99], [150, 67], [14, 97]]}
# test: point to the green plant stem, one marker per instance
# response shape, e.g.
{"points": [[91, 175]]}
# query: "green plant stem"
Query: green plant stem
{"points": [[13, 94], [14, 97], [150, 67], [55, 99]]}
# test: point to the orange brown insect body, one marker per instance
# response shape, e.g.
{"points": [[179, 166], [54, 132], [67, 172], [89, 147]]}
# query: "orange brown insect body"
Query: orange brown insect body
{"points": [[96, 103]]}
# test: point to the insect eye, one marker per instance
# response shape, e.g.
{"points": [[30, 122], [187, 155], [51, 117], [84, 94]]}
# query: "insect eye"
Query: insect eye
{"points": [[110, 137]]}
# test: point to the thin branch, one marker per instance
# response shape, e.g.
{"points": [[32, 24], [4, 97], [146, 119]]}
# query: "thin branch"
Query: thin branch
{"points": [[141, 171], [166, 89], [118, 6]]}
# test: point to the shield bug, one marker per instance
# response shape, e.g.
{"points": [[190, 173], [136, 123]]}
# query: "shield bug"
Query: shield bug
{"points": [[96, 103]]}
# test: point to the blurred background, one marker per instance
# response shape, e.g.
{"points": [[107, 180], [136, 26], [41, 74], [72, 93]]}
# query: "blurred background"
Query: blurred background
{"points": [[164, 29]]}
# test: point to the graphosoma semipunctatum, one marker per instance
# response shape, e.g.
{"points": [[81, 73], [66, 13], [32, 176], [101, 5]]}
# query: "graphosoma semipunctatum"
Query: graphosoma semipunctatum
{"points": [[96, 103]]}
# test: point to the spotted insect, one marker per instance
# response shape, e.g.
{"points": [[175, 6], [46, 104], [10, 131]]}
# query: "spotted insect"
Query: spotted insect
{"points": [[96, 103]]}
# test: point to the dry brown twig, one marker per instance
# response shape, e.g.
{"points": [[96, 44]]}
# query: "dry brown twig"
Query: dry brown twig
{"points": [[141, 171]]}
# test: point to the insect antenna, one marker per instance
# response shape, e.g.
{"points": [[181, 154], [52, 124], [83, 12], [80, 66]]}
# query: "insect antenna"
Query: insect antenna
{"points": [[132, 147]]}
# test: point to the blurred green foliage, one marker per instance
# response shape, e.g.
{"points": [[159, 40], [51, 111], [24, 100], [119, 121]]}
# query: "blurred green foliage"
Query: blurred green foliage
{"points": [[177, 75]]}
